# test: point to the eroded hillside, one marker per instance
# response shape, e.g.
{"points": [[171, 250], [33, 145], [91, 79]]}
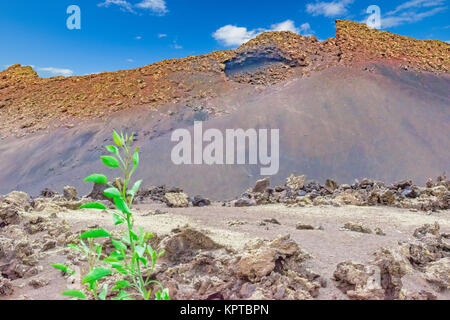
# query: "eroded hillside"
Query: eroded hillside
{"points": [[29, 104]]}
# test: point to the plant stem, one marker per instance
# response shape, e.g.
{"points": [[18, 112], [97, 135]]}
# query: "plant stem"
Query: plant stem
{"points": [[138, 266]]}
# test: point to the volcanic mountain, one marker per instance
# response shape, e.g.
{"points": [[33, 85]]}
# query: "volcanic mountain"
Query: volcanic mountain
{"points": [[366, 103]]}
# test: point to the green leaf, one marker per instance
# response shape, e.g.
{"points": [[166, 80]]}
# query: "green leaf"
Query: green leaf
{"points": [[140, 250], [104, 292], [93, 205], [115, 257], [99, 250], [118, 220], [134, 236], [119, 255], [123, 295], [110, 161], [74, 246], [164, 295], [96, 275], [119, 245], [148, 236], [117, 139], [125, 239], [112, 193], [74, 294], [113, 150], [85, 248], [141, 236], [119, 267], [136, 158], [121, 205], [97, 178], [121, 284], [63, 268], [135, 188], [98, 233], [144, 261]]}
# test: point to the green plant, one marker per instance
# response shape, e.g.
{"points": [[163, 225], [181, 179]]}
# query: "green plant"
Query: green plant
{"points": [[133, 257]]}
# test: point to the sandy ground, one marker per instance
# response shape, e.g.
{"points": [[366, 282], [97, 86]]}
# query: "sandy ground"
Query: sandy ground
{"points": [[328, 247]]}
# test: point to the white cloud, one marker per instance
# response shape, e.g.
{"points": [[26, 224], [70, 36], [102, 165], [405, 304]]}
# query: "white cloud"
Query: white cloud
{"points": [[56, 71], [412, 11], [130, 60], [162, 35], [234, 36], [157, 6], [305, 29], [329, 9], [287, 25], [408, 17], [124, 5], [176, 45], [416, 4], [138, 38], [231, 36]]}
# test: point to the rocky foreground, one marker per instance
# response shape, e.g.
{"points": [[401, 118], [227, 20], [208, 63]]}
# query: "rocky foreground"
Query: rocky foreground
{"points": [[374, 246]]}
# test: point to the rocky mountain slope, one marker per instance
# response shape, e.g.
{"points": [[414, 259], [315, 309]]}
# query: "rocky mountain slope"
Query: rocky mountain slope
{"points": [[366, 103], [30, 102]]}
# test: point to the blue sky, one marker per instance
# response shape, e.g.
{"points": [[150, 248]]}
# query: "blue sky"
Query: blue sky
{"points": [[125, 34]]}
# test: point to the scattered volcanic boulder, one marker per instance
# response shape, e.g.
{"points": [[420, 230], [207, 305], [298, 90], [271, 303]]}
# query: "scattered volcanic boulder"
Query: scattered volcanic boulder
{"points": [[177, 200], [198, 268], [70, 193], [98, 191], [295, 183], [421, 232], [38, 283], [302, 226], [244, 202], [261, 185], [428, 257], [200, 201], [186, 242], [331, 185], [299, 192], [47, 193], [438, 273], [6, 288], [11, 207], [358, 281], [351, 226]]}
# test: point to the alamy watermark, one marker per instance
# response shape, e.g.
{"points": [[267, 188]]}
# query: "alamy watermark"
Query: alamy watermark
{"points": [[374, 19], [236, 146], [74, 20]]}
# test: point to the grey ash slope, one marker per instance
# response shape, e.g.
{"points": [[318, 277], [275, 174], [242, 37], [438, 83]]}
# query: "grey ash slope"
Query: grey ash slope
{"points": [[371, 120]]}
